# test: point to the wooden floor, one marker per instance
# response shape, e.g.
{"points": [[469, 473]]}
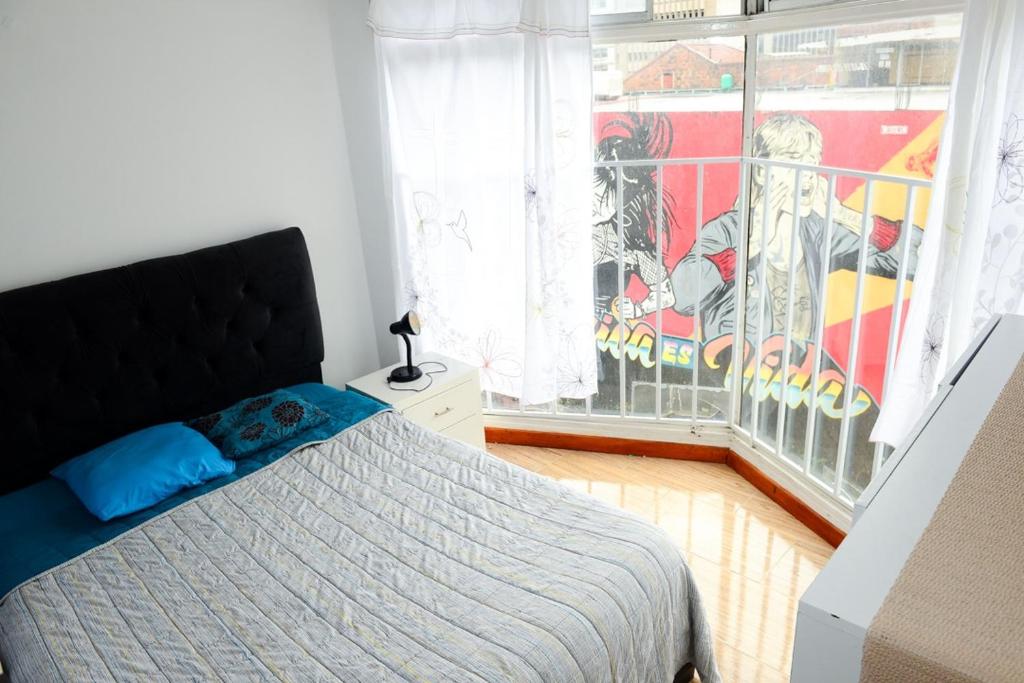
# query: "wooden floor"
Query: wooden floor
{"points": [[751, 558]]}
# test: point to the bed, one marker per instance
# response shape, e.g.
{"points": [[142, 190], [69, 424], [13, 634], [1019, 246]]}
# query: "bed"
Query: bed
{"points": [[365, 549]]}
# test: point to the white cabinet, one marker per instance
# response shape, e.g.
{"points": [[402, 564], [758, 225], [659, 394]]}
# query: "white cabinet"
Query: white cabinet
{"points": [[447, 402], [838, 607]]}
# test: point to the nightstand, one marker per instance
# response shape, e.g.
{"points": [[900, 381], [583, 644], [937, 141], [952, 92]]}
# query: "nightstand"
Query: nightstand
{"points": [[450, 404]]}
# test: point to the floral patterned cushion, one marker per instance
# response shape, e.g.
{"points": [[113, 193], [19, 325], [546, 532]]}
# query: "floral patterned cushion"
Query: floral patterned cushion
{"points": [[256, 423]]}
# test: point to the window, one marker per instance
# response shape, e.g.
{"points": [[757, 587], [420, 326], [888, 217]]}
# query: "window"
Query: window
{"points": [[674, 99], [835, 135], [865, 97]]}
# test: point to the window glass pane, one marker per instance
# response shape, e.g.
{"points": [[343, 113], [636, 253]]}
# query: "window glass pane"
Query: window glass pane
{"points": [[661, 100], [674, 10], [572, 406], [668, 10], [617, 6], [501, 402], [866, 97]]}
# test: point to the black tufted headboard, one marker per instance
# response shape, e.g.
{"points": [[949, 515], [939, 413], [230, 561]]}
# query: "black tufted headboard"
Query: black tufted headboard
{"points": [[92, 357]]}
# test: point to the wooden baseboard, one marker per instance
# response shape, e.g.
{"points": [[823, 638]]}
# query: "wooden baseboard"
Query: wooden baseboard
{"points": [[608, 444], [787, 501], [678, 451]]}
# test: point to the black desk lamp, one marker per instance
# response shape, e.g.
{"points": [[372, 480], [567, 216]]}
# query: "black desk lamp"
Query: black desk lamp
{"points": [[409, 324]]}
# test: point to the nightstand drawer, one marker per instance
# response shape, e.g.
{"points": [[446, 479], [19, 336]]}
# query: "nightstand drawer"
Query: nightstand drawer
{"points": [[445, 409], [470, 430]]}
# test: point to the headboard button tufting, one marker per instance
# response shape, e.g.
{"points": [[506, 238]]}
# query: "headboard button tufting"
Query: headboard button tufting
{"points": [[101, 334]]}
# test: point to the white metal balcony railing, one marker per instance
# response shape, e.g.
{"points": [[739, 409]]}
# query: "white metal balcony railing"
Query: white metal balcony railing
{"points": [[672, 10], [820, 457]]}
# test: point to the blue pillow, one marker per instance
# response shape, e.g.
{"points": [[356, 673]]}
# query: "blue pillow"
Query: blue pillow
{"points": [[260, 422], [141, 469]]}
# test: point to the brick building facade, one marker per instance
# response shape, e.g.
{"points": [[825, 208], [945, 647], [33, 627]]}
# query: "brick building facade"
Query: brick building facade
{"points": [[688, 66], [712, 66]]}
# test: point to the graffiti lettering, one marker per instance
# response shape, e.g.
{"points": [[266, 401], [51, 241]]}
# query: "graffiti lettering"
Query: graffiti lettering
{"points": [[640, 340], [762, 380], [676, 352], [797, 392]]}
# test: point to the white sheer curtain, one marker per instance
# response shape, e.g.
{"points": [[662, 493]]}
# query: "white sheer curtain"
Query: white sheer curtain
{"points": [[486, 108], [971, 264]]}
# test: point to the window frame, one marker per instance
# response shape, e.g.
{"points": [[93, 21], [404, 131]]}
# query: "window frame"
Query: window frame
{"points": [[619, 18], [794, 15], [809, 14]]}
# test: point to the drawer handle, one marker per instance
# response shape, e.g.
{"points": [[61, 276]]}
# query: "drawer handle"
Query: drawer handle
{"points": [[443, 411]]}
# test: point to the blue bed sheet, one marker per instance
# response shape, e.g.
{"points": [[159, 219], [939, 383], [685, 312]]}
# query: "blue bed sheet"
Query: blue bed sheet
{"points": [[45, 525]]}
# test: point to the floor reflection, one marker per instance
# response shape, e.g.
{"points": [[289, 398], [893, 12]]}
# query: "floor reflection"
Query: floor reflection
{"points": [[752, 559]]}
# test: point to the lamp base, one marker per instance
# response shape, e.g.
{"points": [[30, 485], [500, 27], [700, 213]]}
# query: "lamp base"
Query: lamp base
{"points": [[405, 373]]}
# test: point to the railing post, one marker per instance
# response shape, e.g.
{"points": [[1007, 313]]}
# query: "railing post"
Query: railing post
{"points": [[695, 354], [819, 328], [622, 292], [761, 295], [660, 267], [739, 339], [897, 311], [780, 427], [851, 363]]}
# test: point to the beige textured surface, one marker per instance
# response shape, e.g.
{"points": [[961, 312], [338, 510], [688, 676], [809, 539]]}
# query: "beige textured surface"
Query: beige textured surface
{"points": [[956, 611]]}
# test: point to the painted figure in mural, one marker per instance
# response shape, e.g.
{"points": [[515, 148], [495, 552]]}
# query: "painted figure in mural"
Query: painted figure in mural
{"points": [[784, 137], [631, 136]]}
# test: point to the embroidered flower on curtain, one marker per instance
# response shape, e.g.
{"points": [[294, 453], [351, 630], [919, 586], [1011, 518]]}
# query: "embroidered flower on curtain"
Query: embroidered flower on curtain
{"points": [[574, 374], [419, 297], [498, 366], [530, 196], [1010, 184], [1003, 287], [931, 347], [565, 134], [567, 237], [428, 225]]}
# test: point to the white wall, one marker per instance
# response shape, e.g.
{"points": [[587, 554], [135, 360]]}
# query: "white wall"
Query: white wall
{"points": [[356, 66], [139, 128]]}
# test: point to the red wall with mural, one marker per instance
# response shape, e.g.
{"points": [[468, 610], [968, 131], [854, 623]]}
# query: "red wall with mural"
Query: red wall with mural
{"points": [[896, 142]]}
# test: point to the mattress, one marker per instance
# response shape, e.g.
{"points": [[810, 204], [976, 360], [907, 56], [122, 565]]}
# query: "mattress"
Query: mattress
{"points": [[386, 552], [44, 525]]}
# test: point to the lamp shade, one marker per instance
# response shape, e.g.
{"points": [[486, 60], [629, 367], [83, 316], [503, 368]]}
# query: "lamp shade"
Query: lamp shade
{"points": [[409, 324]]}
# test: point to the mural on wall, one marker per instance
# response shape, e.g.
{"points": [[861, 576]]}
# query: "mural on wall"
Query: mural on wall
{"points": [[696, 291]]}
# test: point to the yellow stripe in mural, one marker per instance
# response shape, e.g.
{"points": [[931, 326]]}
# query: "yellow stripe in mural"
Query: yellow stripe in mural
{"points": [[915, 160], [879, 292]]}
